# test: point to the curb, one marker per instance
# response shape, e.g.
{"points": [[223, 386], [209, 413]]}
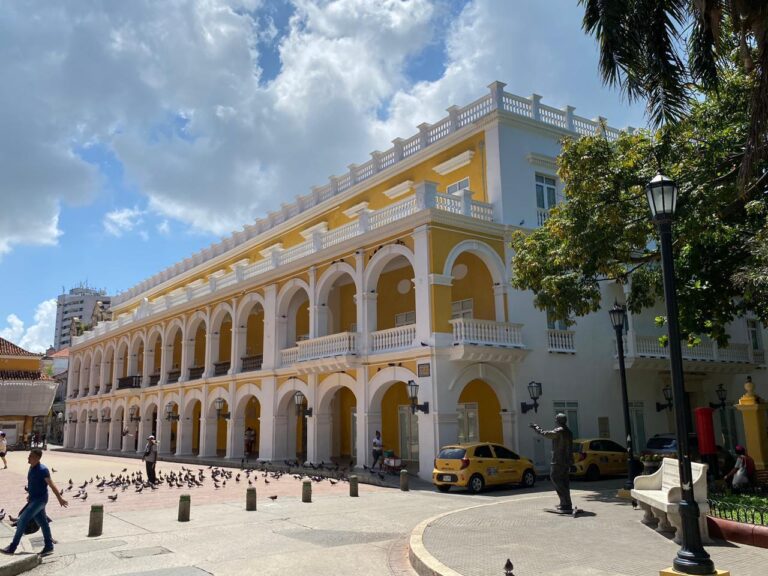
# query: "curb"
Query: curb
{"points": [[422, 561], [730, 531], [20, 564]]}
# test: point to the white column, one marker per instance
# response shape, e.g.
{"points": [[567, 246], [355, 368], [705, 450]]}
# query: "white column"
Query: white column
{"points": [[508, 427], [142, 432], [208, 428], [100, 437], [322, 435], [372, 423], [314, 329], [145, 369], [211, 353], [271, 342], [499, 293], [165, 356], [115, 435], [267, 426], [163, 433], [422, 283], [88, 433], [239, 338]]}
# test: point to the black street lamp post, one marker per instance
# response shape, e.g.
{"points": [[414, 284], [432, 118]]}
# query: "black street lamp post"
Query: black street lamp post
{"points": [[618, 316], [691, 558]]}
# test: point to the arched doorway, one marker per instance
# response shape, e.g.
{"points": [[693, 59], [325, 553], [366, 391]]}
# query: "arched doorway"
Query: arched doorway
{"points": [[336, 420], [399, 426], [116, 429], [109, 363], [336, 309], [197, 330], [175, 340], [103, 428], [154, 355], [291, 426], [216, 424], [189, 428], [250, 353], [169, 427], [246, 421], [221, 343], [95, 376], [293, 321]]}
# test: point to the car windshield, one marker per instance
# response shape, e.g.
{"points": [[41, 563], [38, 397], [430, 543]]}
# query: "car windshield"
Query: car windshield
{"points": [[661, 443], [451, 453]]}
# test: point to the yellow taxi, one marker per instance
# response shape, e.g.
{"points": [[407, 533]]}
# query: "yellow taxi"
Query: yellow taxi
{"points": [[480, 464], [596, 457]]}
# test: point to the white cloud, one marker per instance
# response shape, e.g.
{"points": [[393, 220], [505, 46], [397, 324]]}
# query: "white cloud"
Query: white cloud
{"points": [[176, 91], [123, 220], [39, 336], [164, 228]]}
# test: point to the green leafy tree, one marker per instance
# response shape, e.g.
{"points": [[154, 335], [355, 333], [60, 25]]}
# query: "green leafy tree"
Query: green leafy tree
{"points": [[603, 232], [664, 51]]}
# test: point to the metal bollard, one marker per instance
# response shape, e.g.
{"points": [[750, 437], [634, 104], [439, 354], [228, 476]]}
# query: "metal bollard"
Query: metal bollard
{"points": [[306, 491], [185, 502], [96, 522], [250, 499], [404, 480], [353, 486]]}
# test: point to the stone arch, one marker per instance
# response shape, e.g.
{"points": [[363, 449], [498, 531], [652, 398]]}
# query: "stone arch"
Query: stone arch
{"points": [[287, 310], [330, 385], [154, 347], [382, 381], [85, 371], [488, 255], [189, 427], [244, 393], [213, 393], [197, 327], [218, 314], [244, 308], [109, 363], [74, 375], [495, 378], [289, 427], [328, 314], [190, 397], [221, 334], [376, 264], [95, 374], [122, 355]]}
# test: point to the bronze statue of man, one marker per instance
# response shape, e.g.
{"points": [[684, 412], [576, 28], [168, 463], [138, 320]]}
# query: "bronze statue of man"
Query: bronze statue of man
{"points": [[559, 470]]}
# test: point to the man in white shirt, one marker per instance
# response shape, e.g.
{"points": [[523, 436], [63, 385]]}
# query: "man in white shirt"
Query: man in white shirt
{"points": [[377, 451]]}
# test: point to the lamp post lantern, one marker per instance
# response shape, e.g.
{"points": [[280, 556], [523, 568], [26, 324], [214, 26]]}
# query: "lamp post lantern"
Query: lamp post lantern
{"points": [[298, 400], [618, 316], [534, 391], [661, 193]]}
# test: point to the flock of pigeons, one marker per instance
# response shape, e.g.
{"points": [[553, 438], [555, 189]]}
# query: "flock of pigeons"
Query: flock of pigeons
{"points": [[191, 478]]}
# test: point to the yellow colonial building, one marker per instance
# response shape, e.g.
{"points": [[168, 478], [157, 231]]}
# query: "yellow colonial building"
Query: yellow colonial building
{"points": [[309, 325], [25, 392]]}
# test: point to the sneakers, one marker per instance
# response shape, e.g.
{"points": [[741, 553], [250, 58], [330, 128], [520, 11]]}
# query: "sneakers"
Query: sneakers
{"points": [[46, 551], [8, 550]]}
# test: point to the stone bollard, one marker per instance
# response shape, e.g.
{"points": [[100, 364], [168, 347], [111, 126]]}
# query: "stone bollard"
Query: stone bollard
{"points": [[353, 486], [404, 480], [250, 499], [185, 502], [306, 491], [97, 520]]}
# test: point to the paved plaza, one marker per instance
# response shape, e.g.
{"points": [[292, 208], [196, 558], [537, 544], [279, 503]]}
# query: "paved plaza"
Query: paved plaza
{"points": [[451, 534]]}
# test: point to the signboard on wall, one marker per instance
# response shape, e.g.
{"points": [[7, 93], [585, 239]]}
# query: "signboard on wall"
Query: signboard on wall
{"points": [[423, 370]]}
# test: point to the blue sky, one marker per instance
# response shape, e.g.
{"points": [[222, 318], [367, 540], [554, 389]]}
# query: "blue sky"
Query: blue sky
{"points": [[138, 133]]}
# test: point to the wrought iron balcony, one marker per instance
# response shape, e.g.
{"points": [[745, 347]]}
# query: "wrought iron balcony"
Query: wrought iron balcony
{"points": [[252, 363], [128, 382], [196, 372], [154, 379], [173, 376], [221, 368]]}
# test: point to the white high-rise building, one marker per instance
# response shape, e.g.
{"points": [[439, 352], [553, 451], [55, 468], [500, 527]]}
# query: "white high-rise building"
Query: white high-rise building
{"points": [[78, 303]]}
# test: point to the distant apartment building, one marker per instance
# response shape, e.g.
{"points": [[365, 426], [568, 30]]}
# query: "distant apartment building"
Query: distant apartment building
{"points": [[85, 304]]}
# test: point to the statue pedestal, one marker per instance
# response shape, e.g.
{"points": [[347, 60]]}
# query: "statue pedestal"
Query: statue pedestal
{"points": [[673, 572]]}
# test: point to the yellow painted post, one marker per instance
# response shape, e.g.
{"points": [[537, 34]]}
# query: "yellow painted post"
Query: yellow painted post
{"points": [[753, 411]]}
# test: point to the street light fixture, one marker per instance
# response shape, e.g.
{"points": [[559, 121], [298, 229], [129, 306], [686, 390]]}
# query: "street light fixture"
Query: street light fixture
{"points": [[298, 399], [169, 415], [667, 391], [93, 416], [618, 316], [134, 414], [72, 418], [413, 394], [219, 405], [105, 415], [534, 391], [661, 193], [722, 394]]}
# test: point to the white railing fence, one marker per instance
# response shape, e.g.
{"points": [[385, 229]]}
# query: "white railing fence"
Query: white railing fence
{"points": [[487, 332], [393, 338], [561, 341]]}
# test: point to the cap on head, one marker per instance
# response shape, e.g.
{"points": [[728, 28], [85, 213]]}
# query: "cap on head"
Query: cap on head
{"points": [[2, 433], [740, 449], [150, 437], [561, 418]]}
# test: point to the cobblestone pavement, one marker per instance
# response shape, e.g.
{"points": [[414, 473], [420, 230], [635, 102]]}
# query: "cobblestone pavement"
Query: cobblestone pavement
{"points": [[607, 540]]}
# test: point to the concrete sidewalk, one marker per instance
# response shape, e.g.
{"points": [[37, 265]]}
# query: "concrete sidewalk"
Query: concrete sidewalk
{"points": [[608, 540], [24, 559]]}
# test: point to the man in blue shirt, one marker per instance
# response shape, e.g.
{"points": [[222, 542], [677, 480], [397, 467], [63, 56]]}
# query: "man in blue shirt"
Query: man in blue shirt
{"points": [[38, 481]]}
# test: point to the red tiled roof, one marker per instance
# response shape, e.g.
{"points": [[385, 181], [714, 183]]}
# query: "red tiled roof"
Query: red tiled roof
{"points": [[63, 353], [10, 349], [22, 375]]}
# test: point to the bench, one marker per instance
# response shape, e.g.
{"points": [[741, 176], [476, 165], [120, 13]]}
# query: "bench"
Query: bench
{"points": [[659, 496]]}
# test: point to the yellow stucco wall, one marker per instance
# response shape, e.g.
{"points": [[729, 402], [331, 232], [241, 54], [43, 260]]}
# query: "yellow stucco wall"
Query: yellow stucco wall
{"points": [[346, 401], [396, 396], [254, 343], [225, 339], [389, 301], [27, 364], [488, 410]]}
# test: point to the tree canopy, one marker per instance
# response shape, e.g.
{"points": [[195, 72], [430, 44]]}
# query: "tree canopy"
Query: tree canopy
{"points": [[603, 231], [664, 51]]}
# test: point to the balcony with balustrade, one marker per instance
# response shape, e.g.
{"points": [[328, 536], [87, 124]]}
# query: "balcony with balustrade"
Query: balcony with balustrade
{"points": [[645, 352], [487, 341], [323, 354], [561, 341]]}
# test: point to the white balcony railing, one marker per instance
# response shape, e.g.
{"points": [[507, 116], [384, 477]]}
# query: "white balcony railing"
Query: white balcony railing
{"points": [[561, 341], [707, 350], [340, 344], [288, 356], [393, 338], [542, 214], [487, 332]]}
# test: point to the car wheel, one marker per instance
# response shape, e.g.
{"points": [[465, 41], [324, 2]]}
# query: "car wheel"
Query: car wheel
{"points": [[593, 473], [476, 484], [443, 487], [529, 478]]}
